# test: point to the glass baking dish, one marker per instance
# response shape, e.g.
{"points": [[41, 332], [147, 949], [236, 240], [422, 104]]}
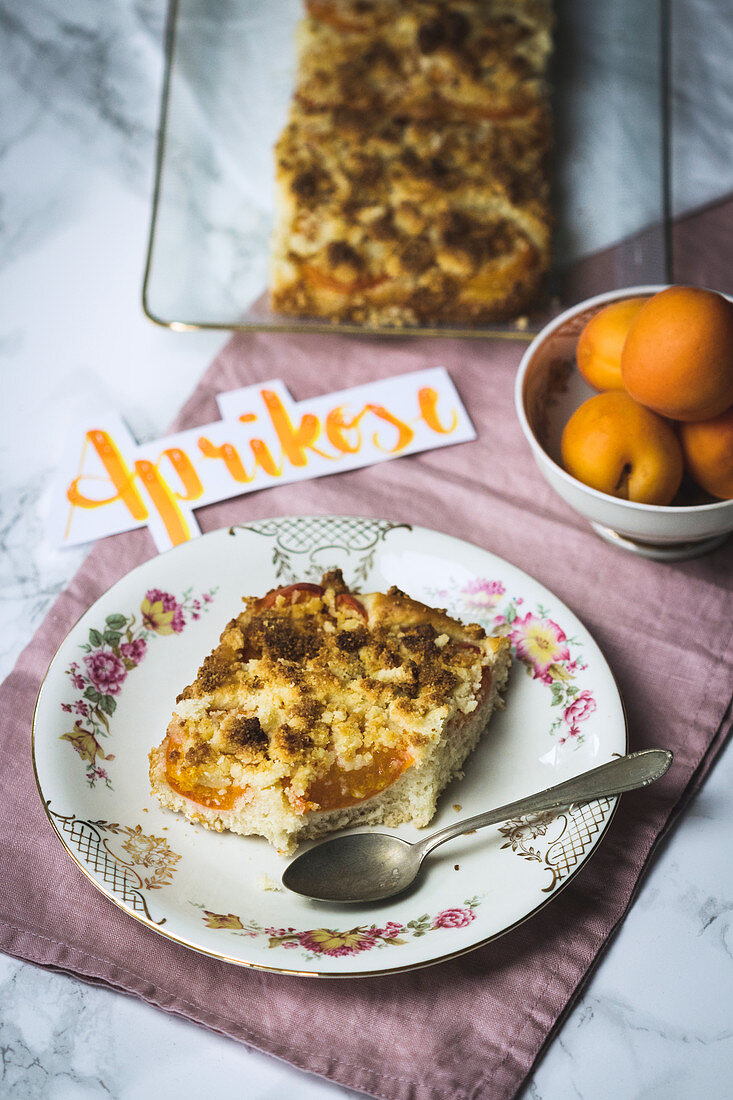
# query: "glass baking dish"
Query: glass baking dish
{"points": [[229, 76]]}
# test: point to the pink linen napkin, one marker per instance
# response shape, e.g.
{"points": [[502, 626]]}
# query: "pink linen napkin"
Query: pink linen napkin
{"points": [[471, 1027]]}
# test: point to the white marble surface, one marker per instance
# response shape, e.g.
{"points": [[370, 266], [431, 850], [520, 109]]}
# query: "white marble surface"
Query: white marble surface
{"points": [[79, 83]]}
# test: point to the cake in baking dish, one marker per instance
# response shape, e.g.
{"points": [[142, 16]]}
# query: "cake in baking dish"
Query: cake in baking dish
{"points": [[413, 172], [323, 708]]}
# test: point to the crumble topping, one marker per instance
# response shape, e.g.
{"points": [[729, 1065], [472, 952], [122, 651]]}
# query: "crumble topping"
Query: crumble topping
{"points": [[413, 172], [314, 677]]}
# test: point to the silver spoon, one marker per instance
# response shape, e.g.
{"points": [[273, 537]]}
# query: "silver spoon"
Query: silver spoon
{"points": [[369, 866]]}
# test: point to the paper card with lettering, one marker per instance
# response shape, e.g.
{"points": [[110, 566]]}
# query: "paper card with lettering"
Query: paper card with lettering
{"points": [[108, 483]]}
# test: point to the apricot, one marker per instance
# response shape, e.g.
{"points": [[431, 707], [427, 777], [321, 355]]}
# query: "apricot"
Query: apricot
{"points": [[598, 353], [678, 355], [621, 448], [707, 446]]}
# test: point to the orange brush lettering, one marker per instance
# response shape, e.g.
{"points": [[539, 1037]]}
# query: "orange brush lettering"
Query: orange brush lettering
{"points": [[428, 399], [184, 467], [164, 500], [405, 433], [230, 456], [294, 441], [264, 459], [121, 478], [337, 425]]}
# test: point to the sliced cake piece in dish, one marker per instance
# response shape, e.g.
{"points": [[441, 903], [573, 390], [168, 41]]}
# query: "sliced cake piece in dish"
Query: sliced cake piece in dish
{"points": [[323, 708]]}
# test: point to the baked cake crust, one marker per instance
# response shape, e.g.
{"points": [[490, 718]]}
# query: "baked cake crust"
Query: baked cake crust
{"points": [[413, 173], [426, 59], [321, 707]]}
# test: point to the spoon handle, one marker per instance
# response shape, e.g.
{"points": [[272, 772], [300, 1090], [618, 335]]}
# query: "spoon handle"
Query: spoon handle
{"points": [[626, 773]]}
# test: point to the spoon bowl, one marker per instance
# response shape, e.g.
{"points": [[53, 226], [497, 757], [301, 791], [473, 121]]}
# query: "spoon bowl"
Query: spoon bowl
{"points": [[356, 867], [365, 867]]}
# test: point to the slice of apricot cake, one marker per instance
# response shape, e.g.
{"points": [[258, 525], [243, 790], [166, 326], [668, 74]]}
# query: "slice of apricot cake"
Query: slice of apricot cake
{"points": [[323, 708]]}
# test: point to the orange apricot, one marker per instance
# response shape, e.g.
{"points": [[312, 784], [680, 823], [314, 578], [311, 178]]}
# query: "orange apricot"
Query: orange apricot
{"points": [[619, 447], [598, 353], [707, 446], [678, 355]]}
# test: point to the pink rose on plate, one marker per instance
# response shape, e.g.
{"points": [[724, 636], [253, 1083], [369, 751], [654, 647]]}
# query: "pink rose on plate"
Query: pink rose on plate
{"points": [[134, 651], [156, 595], [391, 929], [581, 707], [106, 671], [454, 918]]}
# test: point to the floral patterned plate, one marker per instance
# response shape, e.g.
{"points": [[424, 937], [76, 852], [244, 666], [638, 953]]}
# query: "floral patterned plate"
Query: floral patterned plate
{"points": [[109, 691]]}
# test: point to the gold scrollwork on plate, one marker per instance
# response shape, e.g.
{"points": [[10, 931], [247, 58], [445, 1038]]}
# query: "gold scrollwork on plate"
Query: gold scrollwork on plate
{"points": [[118, 872], [557, 842], [302, 544]]}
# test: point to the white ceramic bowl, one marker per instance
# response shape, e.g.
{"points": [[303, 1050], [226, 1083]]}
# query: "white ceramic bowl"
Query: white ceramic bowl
{"points": [[548, 389]]}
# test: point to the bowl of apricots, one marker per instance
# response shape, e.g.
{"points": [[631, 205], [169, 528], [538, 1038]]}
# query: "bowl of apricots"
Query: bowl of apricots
{"points": [[626, 401]]}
